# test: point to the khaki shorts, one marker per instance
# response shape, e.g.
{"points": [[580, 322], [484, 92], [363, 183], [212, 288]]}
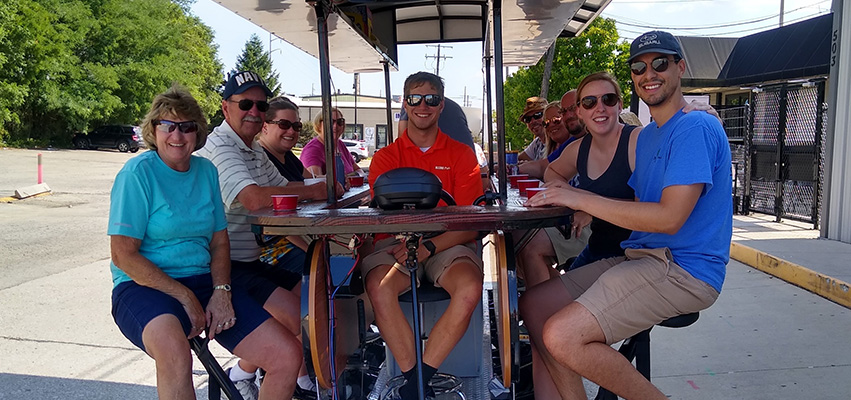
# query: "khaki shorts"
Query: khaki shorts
{"points": [[432, 268], [567, 248], [630, 294]]}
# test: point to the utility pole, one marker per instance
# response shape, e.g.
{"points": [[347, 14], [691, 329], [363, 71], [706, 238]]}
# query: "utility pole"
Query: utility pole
{"points": [[548, 68], [438, 57], [356, 88], [781, 12]]}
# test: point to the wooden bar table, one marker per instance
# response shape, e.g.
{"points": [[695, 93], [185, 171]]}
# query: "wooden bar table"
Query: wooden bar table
{"points": [[317, 219]]}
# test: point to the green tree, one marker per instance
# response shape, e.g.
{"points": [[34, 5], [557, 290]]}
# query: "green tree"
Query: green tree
{"points": [[596, 49], [255, 58], [72, 65]]}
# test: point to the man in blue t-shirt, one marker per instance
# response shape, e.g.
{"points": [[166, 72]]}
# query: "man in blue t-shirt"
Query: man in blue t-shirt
{"points": [[677, 255]]}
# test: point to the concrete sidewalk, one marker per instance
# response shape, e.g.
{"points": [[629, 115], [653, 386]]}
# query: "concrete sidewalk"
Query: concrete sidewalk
{"points": [[794, 252]]}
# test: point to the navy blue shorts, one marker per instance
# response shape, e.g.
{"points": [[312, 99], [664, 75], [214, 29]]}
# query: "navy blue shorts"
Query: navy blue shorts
{"points": [[259, 279], [134, 306]]}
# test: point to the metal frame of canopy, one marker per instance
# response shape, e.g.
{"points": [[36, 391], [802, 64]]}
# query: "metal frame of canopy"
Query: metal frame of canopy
{"points": [[530, 26]]}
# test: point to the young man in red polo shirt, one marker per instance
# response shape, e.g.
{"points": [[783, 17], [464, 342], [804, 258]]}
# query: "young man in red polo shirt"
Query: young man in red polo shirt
{"points": [[449, 260]]}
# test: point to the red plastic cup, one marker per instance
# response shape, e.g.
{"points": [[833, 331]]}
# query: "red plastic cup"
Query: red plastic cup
{"points": [[512, 179], [533, 191], [355, 181], [284, 202], [524, 184]]}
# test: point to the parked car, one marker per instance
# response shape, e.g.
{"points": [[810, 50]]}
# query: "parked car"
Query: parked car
{"points": [[357, 148], [122, 137]]}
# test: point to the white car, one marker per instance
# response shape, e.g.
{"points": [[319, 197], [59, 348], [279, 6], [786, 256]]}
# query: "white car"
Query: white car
{"points": [[357, 148]]}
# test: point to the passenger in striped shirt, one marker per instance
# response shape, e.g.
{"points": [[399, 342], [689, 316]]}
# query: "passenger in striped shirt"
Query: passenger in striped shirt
{"points": [[248, 179]]}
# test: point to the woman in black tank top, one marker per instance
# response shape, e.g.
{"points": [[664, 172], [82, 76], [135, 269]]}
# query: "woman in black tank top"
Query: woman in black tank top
{"points": [[601, 163]]}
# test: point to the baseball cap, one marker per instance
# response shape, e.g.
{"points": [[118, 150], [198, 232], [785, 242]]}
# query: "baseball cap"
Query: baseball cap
{"points": [[533, 104], [655, 42], [242, 81]]}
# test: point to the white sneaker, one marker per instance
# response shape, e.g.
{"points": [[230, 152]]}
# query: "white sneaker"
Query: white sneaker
{"points": [[247, 388]]}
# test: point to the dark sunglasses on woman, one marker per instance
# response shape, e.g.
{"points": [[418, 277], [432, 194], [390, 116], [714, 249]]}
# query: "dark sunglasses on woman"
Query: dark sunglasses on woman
{"points": [[246, 104], [659, 64], [284, 124], [530, 117], [431, 100], [554, 120], [339, 121], [609, 99], [166, 126]]}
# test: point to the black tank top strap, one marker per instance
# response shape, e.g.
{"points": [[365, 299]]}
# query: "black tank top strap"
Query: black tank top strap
{"points": [[621, 160], [582, 157]]}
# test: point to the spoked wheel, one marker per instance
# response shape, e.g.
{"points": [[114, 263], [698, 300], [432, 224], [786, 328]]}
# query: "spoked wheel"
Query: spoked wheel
{"points": [[81, 143], [123, 146]]}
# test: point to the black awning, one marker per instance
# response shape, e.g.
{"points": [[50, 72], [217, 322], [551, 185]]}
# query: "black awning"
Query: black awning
{"points": [[795, 51]]}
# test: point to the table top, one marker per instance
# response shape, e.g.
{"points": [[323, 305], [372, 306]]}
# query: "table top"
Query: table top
{"points": [[313, 219], [354, 197]]}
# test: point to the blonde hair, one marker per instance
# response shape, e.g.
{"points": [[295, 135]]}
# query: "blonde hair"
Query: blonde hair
{"points": [[319, 118], [551, 145], [178, 102]]}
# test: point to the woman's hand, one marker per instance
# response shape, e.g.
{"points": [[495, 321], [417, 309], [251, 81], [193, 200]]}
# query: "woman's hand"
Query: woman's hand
{"points": [[220, 315], [581, 219], [195, 312]]}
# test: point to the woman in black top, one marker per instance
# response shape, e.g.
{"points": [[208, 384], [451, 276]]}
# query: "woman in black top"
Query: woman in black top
{"points": [[280, 134], [602, 162]]}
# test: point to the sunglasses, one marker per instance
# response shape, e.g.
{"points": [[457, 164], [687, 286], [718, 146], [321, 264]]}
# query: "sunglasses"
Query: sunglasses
{"points": [[284, 124], [246, 104], [166, 126], [339, 121], [431, 100], [530, 117], [609, 99], [659, 64], [554, 120]]}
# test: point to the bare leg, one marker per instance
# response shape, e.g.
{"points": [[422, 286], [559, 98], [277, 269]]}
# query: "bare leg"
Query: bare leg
{"points": [[276, 350], [535, 259], [383, 285], [574, 338], [166, 343], [463, 281], [284, 306], [536, 306]]}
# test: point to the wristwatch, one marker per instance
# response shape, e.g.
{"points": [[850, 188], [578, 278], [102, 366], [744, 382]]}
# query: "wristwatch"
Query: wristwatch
{"points": [[224, 286], [430, 247]]}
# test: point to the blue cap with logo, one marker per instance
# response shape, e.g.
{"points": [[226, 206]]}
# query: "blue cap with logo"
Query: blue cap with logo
{"points": [[655, 42], [242, 81]]}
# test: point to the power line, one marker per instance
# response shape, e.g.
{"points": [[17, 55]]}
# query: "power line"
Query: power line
{"points": [[638, 24]]}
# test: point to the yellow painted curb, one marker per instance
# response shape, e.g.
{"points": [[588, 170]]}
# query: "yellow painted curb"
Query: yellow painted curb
{"points": [[7, 199], [832, 289]]}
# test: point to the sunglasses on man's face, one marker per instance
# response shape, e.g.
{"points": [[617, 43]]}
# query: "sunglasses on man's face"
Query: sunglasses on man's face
{"points": [[431, 100], [246, 104], [609, 99], [284, 124], [554, 120], [659, 64], [530, 117], [166, 126]]}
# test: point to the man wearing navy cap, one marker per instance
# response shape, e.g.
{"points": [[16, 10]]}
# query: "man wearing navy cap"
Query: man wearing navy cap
{"points": [[676, 257], [247, 180]]}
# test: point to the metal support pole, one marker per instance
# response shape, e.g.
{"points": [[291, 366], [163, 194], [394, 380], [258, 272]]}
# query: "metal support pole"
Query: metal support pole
{"points": [[322, 9], [488, 107], [389, 131], [412, 243], [500, 98]]}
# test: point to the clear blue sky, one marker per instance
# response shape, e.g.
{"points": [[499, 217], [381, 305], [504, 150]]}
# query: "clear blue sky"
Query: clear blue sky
{"points": [[299, 72]]}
